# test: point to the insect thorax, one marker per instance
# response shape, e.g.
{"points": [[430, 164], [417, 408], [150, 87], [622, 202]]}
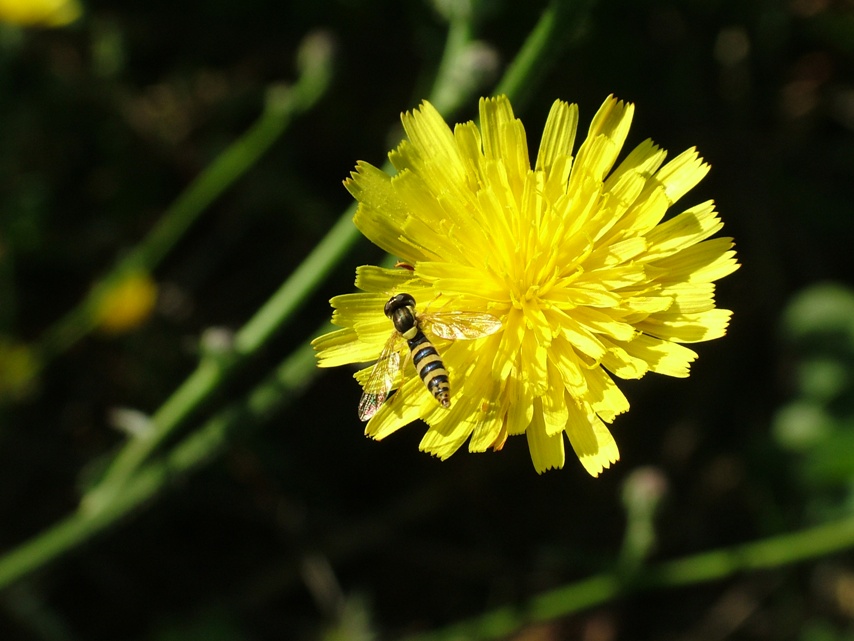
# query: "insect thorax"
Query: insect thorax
{"points": [[401, 310], [404, 322]]}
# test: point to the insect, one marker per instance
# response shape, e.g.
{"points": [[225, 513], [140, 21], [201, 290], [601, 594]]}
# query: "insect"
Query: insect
{"points": [[409, 326]]}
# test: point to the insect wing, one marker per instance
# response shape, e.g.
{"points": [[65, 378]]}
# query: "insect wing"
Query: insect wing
{"points": [[380, 380], [461, 325]]}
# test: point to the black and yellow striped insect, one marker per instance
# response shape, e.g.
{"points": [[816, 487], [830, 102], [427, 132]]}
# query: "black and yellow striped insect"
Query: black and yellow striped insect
{"points": [[410, 326]]}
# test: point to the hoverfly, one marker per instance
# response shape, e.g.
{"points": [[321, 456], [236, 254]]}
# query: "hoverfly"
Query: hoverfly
{"points": [[409, 326]]}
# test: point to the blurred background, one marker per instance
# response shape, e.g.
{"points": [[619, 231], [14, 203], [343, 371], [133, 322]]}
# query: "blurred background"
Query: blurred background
{"points": [[301, 528]]}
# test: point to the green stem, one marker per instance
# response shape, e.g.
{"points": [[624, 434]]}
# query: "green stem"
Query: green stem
{"points": [[448, 92], [768, 553], [281, 106], [279, 388], [304, 280], [214, 370], [560, 25]]}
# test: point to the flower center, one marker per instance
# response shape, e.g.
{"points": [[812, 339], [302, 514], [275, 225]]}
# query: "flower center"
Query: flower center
{"points": [[521, 300]]}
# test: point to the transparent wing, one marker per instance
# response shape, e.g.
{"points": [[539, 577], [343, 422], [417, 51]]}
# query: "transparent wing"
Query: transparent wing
{"points": [[460, 325], [381, 379]]}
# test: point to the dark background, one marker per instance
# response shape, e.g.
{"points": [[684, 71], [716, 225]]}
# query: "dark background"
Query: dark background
{"points": [[305, 529]]}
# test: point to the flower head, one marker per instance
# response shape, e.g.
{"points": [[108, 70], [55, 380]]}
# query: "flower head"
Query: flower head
{"points": [[571, 257]]}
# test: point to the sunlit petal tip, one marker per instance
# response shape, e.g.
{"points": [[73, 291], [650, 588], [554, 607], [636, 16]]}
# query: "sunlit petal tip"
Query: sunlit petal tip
{"points": [[613, 118], [596, 467], [554, 281], [682, 174]]}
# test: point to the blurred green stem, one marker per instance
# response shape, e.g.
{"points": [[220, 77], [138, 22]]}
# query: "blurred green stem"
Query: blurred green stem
{"points": [[562, 24], [213, 370], [767, 553], [281, 106], [448, 95], [642, 492], [201, 446]]}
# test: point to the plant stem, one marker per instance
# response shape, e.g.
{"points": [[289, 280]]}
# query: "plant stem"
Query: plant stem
{"points": [[281, 386], [560, 25], [281, 106], [212, 371], [767, 553], [448, 93]]}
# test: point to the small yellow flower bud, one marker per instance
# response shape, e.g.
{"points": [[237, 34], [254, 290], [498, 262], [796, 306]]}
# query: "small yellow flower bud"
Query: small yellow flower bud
{"points": [[126, 304]]}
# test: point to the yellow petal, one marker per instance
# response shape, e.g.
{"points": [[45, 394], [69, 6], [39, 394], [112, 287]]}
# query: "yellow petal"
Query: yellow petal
{"points": [[487, 419], [592, 442], [604, 396], [381, 215], [520, 406], [555, 413], [446, 436], [687, 328], [403, 407], [705, 262], [622, 364], [431, 151], [601, 322], [503, 136], [343, 347], [378, 280], [688, 228], [547, 452], [627, 182], [682, 174], [690, 298], [558, 138], [663, 357], [605, 138], [565, 359]]}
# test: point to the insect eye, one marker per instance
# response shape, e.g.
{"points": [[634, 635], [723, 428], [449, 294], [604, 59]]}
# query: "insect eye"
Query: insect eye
{"points": [[392, 305], [398, 302]]}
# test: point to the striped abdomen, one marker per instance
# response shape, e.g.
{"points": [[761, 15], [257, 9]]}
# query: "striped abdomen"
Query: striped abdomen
{"points": [[401, 310], [429, 366]]}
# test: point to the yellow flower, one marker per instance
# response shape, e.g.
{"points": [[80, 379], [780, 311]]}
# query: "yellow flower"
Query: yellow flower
{"points": [[46, 13], [125, 304], [19, 368], [573, 259]]}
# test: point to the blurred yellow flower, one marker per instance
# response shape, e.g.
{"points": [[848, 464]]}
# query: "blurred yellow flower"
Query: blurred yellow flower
{"points": [[40, 13], [19, 367], [125, 304], [571, 257]]}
